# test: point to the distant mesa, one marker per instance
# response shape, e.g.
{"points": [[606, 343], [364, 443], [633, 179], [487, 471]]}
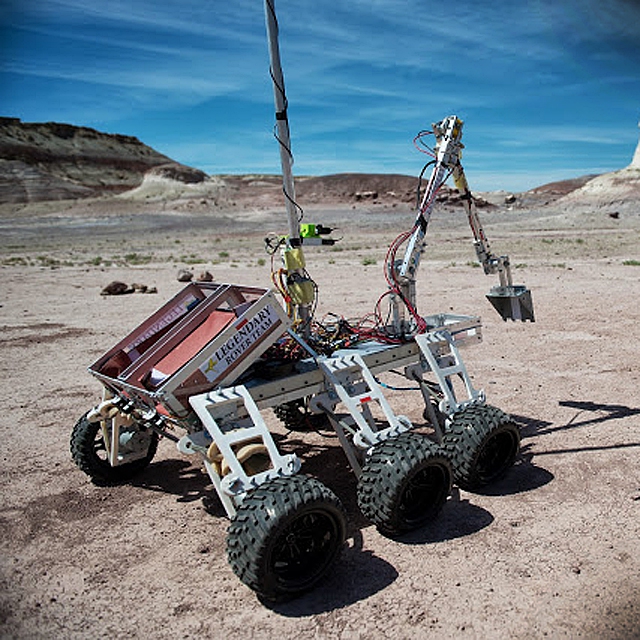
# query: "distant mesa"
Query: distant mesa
{"points": [[614, 192], [56, 161], [635, 162]]}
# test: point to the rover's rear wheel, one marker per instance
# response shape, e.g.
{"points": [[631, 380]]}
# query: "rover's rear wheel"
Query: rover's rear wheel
{"points": [[482, 443]]}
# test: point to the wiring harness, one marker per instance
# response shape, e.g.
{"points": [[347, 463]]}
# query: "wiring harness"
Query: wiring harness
{"points": [[334, 332]]}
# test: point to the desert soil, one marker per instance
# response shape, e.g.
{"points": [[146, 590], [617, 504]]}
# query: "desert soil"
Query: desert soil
{"points": [[552, 550]]}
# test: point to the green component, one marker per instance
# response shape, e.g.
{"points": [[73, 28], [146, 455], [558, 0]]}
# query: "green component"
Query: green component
{"points": [[293, 259], [308, 230]]}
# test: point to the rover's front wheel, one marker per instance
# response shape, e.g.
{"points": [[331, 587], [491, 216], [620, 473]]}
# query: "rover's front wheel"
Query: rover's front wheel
{"points": [[89, 452], [285, 536]]}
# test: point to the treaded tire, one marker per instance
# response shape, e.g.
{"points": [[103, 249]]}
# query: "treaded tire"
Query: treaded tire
{"points": [[482, 443], [295, 416], [89, 452], [285, 537], [404, 483]]}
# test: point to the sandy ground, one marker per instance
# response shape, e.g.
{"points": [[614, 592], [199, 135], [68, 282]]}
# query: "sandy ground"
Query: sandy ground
{"points": [[552, 550]]}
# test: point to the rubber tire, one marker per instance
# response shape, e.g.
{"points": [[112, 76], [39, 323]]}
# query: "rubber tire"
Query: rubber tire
{"points": [[89, 453], [482, 443], [404, 483], [295, 416], [286, 536]]}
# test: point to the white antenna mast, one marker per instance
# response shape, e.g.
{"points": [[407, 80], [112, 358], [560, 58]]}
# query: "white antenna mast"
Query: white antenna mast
{"points": [[282, 123]]}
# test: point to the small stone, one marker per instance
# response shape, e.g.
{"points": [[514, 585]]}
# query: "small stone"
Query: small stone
{"points": [[116, 288], [184, 275], [205, 276]]}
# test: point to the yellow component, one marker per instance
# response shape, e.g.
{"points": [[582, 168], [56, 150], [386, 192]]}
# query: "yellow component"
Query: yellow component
{"points": [[215, 458], [308, 230], [107, 411], [293, 259], [253, 457], [301, 292], [457, 127], [460, 180]]}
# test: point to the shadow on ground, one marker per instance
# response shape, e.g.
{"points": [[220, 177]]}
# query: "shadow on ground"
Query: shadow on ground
{"points": [[358, 575], [587, 413]]}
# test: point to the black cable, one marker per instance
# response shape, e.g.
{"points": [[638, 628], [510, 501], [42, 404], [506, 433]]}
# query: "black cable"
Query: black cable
{"points": [[273, 13], [294, 203], [273, 243], [420, 182]]}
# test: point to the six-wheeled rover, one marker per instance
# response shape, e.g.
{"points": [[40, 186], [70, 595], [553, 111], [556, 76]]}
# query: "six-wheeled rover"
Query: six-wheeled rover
{"points": [[203, 368]]}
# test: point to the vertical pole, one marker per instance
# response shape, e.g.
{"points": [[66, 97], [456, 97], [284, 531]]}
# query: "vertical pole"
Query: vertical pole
{"points": [[282, 123]]}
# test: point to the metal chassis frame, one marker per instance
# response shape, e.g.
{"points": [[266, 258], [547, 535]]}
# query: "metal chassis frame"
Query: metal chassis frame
{"points": [[230, 416]]}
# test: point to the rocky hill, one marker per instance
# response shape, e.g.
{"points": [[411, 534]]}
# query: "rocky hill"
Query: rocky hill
{"points": [[54, 161], [615, 192]]}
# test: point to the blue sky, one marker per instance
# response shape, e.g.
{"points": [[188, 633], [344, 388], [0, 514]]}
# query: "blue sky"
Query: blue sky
{"points": [[548, 89]]}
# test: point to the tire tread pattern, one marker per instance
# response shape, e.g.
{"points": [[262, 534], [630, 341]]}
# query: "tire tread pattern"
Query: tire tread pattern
{"points": [[83, 453], [261, 517], [464, 438], [385, 474]]}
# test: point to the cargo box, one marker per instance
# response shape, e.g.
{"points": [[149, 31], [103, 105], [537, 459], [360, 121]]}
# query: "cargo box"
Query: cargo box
{"points": [[204, 337]]}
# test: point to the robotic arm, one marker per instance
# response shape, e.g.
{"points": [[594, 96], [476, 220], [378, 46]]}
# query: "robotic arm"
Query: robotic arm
{"points": [[511, 301]]}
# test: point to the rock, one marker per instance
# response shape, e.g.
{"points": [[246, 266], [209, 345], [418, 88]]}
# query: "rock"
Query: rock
{"points": [[635, 161], [184, 275], [205, 276], [116, 288], [179, 172]]}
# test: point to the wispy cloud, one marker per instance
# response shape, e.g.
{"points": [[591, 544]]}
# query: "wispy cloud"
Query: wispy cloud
{"points": [[538, 82], [185, 17], [528, 136], [137, 79]]}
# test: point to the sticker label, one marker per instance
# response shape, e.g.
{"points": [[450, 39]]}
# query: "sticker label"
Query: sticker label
{"points": [[173, 314], [247, 333]]}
